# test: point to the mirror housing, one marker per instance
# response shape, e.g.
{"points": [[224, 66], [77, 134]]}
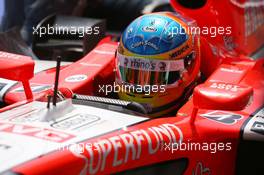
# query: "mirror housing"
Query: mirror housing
{"points": [[17, 68]]}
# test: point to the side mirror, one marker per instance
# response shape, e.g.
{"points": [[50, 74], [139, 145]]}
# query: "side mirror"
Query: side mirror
{"points": [[17, 68]]}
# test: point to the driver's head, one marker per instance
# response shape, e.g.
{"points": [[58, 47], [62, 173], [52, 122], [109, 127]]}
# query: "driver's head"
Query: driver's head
{"points": [[156, 60]]}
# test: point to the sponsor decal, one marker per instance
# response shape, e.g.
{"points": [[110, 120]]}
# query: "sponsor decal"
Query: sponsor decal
{"points": [[200, 169], [128, 146], [76, 78], [254, 129], [149, 29], [76, 121], [37, 132], [150, 64], [74, 148], [179, 52], [223, 117], [225, 86], [145, 43], [34, 87]]}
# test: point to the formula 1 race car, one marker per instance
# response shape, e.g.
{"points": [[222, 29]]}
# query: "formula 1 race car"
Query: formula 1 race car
{"points": [[73, 127]]}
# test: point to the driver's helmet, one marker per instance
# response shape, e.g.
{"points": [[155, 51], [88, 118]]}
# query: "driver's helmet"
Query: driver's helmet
{"points": [[157, 59]]}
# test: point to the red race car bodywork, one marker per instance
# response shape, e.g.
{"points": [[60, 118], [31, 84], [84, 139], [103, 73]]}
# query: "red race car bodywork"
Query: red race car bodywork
{"points": [[204, 137]]}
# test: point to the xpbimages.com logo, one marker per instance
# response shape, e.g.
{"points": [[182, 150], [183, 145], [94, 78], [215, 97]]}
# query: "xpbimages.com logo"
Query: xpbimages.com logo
{"points": [[128, 88]]}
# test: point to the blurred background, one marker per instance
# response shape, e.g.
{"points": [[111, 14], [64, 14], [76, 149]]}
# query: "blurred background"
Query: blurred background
{"points": [[19, 18]]}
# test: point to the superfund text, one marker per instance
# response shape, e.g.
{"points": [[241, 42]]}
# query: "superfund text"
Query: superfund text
{"points": [[120, 149]]}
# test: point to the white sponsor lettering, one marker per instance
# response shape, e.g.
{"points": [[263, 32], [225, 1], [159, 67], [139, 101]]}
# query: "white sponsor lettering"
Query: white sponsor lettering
{"points": [[117, 145], [76, 78], [224, 86], [129, 146], [150, 64]]}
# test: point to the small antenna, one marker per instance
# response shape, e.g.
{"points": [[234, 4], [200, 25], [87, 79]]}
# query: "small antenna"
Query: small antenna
{"points": [[56, 81], [49, 99]]}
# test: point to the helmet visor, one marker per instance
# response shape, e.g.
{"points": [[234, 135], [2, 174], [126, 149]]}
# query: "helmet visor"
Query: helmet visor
{"points": [[140, 71]]}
